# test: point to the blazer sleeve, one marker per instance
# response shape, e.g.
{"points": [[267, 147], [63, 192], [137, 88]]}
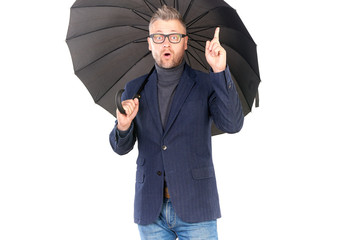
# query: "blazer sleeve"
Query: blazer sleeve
{"points": [[224, 102], [122, 142]]}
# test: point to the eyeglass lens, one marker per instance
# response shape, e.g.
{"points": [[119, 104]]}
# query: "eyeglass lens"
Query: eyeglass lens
{"points": [[160, 38]]}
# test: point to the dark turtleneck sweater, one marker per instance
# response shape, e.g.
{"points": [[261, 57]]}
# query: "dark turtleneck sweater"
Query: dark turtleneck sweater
{"points": [[168, 79]]}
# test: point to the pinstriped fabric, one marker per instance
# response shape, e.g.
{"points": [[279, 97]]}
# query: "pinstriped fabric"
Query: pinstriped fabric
{"points": [[182, 150]]}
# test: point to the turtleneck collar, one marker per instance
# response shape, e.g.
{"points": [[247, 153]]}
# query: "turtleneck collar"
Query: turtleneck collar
{"points": [[170, 74]]}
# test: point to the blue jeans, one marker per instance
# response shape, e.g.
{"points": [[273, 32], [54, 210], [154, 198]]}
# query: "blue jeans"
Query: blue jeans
{"points": [[169, 226]]}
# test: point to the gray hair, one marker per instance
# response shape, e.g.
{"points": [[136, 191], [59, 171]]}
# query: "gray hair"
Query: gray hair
{"points": [[167, 13]]}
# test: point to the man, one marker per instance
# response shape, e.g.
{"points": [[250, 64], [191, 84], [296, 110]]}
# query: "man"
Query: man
{"points": [[176, 193]]}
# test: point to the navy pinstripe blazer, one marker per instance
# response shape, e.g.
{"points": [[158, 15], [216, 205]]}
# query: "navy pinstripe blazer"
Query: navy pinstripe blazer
{"points": [[181, 152]]}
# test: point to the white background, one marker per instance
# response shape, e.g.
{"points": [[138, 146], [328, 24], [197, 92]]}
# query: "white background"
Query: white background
{"points": [[291, 173]]}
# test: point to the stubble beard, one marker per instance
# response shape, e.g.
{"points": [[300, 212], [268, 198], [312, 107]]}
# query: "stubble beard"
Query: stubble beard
{"points": [[174, 62]]}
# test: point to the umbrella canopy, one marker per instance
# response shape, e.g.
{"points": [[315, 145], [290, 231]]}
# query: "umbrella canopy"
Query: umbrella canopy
{"points": [[108, 44]]}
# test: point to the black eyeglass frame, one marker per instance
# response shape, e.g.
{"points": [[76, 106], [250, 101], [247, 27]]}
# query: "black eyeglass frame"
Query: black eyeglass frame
{"points": [[167, 36]]}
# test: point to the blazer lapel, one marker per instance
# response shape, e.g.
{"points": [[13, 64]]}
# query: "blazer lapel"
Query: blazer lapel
{"points": [[182, 92], [151, 97]]}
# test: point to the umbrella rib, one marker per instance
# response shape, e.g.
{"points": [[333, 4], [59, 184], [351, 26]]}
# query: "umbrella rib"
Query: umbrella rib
{"points": [[198, 42], [145, 30], [197, 19], [134, 41], [112, 6], [176, 4], [200, 62], [223, 45], [201, 50], [122, 76], [139, 41], [133, 10], [200, 30], [188, 9], [207, 28], [188, 58], [101, 29], [147, 3], [246, 62], [201, 16], [139, 14]]}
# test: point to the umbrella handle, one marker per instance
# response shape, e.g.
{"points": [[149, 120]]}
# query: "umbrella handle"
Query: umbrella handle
{"points": [[118, 101], [137, 95]]}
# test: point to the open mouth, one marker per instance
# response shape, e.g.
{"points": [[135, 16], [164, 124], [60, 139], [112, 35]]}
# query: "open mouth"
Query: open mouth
{"points": [[167, 54]]}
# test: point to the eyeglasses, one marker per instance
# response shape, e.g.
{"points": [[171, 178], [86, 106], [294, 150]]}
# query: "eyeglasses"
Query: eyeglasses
{"points": [[159, 38]]}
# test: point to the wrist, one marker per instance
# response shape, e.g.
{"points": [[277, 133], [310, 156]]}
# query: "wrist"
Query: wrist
{"points": [[218, 70], [123, 128]]}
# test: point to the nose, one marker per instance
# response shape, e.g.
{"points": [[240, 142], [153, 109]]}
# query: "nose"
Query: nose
{"points": [[166, 43]]}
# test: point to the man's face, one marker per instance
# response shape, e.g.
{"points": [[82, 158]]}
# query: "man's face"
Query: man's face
{"points": [[167, 54]]}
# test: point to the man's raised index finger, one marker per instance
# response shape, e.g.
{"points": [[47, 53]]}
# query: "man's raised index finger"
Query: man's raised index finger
{"points": [[217, 32]]}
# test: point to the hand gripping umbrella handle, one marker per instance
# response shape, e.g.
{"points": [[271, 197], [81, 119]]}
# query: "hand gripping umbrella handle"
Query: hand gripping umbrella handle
{"points": [[118, 100], [137, 95]]}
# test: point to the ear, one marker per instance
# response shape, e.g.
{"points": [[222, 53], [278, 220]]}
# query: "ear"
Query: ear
{"points": [[149, 43], [186, 42]]}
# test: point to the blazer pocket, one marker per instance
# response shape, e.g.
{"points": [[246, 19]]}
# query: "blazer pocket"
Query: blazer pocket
{"points": [[140, 176], [140, 161], [203, 173]]}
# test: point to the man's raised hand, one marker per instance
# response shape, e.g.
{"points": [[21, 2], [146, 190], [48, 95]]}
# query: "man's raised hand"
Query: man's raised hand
{"points": [[215, 54]]}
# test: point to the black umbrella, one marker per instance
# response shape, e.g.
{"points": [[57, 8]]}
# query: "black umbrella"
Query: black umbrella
{"points": [[108, 44]]}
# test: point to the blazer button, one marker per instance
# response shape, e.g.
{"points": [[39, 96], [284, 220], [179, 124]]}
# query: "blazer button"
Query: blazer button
{"points": [[159, 173], [164, 147]]}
